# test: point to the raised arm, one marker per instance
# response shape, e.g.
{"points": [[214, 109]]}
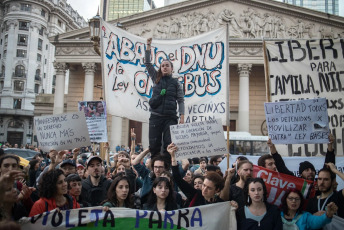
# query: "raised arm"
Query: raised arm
{"points": [[330, 157], [224, 195], [149, 66], [133, 141], [280, 165], [138, 159]]}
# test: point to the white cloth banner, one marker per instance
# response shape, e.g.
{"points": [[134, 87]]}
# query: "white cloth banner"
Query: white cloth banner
{"points": [[95, 113], [293, 163], [307, 69], [214, 216], [199, 63], [294, 122], [337, 223]]}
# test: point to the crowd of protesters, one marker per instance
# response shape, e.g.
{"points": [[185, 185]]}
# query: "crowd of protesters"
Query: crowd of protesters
{"points": [[68, 180]]}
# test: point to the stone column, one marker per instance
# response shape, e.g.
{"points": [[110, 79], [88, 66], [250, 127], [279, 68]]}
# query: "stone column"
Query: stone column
{"points": [[60, 69], [244, 97], [116, 131], [144, 136], [90, 69]]}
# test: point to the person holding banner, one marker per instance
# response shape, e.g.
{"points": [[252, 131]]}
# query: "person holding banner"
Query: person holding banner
{"points": [[119, 194], [258, 213], [292, 213], [53, 193], [167, 91]]}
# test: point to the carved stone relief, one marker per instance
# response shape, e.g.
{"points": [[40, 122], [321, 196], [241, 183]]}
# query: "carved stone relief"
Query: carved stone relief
{"points": [[248, 23], [75, 50]]}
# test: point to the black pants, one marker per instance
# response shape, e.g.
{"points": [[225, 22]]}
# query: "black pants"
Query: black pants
{"points": [[159, 129]]}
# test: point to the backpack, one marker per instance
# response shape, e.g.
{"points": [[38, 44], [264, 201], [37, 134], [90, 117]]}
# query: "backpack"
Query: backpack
{"points": [[291, 225]]}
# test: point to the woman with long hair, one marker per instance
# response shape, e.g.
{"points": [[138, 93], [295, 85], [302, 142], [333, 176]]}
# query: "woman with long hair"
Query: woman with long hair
{"points": [[167, 92], [53, 192], [161, 196], [212, 185], [293, 215], [258, 213], [119, 193]]}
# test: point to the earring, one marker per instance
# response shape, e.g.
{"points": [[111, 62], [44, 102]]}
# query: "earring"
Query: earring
{"points": [[248, 199]]}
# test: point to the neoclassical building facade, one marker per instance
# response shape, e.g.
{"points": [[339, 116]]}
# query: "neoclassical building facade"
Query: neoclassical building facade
{"points": [[26, 59], [249, 22]]}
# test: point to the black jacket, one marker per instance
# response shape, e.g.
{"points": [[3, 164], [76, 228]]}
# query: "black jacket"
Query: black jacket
{"points": [[94, 195], [271, 221]]}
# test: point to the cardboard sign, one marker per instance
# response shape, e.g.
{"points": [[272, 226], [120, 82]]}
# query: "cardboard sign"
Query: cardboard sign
{"points": [[297, 122], [63, 131], [302, 69], [95, 113], [213, 216], [198, 139]]}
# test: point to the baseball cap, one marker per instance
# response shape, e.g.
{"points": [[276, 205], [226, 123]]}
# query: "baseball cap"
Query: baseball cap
{"points": [[68, 162], [80, 166], [93, 157]]}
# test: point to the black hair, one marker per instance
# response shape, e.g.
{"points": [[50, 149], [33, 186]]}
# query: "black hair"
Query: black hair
{"points": [[195, 177], [6, 156], [71, 178], [160, 158], [112, 196], [248, 200], [33, 163], [170, 202], [284, 205], [332, 175], [262, 159], [47, 185]]}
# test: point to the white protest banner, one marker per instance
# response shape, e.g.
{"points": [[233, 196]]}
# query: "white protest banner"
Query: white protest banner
{"points": [[95, 113], [62, 131], [213, 216], [199, 63], [204, 138], [306, 69], [297, 122], [293, 163]]}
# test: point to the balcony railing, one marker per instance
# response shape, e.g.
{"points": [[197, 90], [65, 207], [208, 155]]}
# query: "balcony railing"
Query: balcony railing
{"points": [[19, 75]]}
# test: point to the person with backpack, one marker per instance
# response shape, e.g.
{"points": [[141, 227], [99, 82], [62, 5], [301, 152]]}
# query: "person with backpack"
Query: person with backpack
{"points": [[294, 218], [53, 192]]}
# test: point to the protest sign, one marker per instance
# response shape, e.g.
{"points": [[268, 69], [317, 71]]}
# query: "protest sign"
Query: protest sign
{"points": [[62, 131], [297, 122], [204, 138], [292, 163], [95, 114], [200, 63], [278, 183], [214, 216], [306, 69]]}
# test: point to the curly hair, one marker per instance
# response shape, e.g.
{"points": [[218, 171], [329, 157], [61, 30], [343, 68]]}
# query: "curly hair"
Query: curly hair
{"points": [[47, 185], [170, 202], [248, 201], [284, 205], [194, 178], [112, 196]]}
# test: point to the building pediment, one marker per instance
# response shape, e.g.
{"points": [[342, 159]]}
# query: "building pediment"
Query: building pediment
{"points": [[249, 22]]}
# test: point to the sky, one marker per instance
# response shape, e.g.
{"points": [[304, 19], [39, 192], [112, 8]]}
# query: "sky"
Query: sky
{"points": [[88, 8]]}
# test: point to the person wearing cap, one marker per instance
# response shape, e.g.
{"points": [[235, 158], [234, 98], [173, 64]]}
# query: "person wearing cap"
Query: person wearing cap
{"points": [[95, 186], [80, 170], [68, 167]]}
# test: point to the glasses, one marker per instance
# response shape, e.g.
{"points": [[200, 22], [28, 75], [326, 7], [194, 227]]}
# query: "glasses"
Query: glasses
{"points": [[296, 199]]}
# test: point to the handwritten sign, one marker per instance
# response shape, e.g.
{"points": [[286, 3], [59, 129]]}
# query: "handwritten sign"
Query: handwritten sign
{"points": [[204, 138], [297, 122], [63, 131], [95, 113], [304, 69], [199, 64]]}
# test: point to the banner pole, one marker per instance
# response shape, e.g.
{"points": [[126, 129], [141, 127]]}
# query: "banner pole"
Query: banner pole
{"points": [[266, 70], [227, 94]]}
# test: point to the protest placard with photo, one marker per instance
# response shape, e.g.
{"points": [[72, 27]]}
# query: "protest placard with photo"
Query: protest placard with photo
{"points": [[95, 114], [62, 131]]}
